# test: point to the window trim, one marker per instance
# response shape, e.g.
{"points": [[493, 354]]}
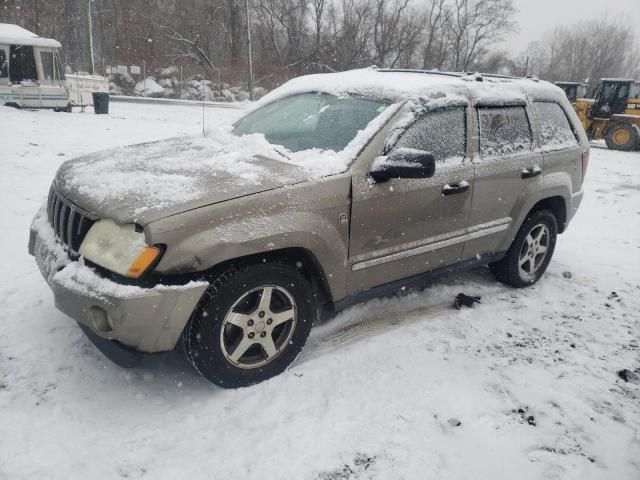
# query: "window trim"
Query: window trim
{"points": [[389, 147], [525, 107]]}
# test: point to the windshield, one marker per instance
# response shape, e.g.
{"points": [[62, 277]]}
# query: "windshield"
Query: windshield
{"points": [[311, 120]]}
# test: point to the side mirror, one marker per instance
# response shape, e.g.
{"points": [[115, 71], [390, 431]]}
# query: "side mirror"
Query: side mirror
{"points": [[403, 163]]}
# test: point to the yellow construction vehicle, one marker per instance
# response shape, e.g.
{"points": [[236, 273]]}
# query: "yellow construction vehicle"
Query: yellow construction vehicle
{"points": [[613, 114], [574, 90]]}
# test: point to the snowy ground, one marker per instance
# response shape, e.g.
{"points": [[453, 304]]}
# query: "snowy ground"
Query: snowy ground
{"points": [[530, 374]]}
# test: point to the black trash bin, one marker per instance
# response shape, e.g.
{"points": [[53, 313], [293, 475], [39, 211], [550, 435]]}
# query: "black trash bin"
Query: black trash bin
{"points": [[101, 103]]}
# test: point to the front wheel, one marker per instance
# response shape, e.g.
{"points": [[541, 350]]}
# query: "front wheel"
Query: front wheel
{"points": [[530, 253], [252, 324]]}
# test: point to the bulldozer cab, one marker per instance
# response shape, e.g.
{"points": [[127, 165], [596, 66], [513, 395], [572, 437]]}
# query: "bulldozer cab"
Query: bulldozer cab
{"points": [[573, 90], [612, 96]]}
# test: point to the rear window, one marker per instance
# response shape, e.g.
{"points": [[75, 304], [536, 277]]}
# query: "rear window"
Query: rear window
{"points": [[442, 133], [504, 131], [555, 129]]}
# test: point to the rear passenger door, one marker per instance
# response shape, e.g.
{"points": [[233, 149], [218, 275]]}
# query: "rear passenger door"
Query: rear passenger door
{"points": [[507, 168], [559, 145]]}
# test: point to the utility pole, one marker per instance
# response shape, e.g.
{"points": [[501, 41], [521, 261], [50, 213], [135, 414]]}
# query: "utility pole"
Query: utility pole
{"points": [[249, 52], [90, 26]]}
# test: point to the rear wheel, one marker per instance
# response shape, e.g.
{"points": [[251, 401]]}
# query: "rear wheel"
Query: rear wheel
{"points": [[531, 251], [623, 136], [252, 325]]}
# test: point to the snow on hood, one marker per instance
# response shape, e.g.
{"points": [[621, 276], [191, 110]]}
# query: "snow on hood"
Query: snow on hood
{"points": [[149, 181]]}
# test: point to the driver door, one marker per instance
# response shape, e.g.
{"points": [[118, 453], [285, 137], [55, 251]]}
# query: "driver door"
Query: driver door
{"points": [[404, 227]]}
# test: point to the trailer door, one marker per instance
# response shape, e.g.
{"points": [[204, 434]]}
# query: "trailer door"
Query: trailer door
{"points": [[4, 65], [23, 74]]}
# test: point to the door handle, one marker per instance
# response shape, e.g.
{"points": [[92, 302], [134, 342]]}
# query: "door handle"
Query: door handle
{"points": [[454, 188], [531, 172]]}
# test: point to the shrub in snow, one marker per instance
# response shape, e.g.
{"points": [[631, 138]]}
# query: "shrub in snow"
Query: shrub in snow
{"points": [[259, 92], [228, 96], [124, 83], [242, 96], [114, 89]]}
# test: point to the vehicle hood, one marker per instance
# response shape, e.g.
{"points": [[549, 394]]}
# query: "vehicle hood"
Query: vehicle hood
{"points": [[143, 183]]}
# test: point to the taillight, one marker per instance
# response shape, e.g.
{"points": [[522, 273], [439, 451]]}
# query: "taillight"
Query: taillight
{"points": [[585, 163]]}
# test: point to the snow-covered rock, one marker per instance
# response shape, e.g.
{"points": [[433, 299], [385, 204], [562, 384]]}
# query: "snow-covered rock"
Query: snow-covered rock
{"points": [[149, 87]]}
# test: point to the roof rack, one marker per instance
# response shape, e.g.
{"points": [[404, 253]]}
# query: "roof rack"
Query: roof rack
{"points": [[415, 70], [479, 78]]}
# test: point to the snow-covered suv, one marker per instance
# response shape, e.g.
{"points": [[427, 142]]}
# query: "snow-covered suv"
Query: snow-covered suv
{"points": [[334, 189]]}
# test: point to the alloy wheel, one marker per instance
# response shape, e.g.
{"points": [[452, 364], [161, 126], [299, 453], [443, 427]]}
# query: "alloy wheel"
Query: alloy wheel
{"points": [[534, 251], [258, 327]]}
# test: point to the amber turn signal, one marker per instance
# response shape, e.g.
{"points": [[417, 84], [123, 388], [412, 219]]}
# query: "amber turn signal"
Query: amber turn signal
{"points": [[143, 262]]}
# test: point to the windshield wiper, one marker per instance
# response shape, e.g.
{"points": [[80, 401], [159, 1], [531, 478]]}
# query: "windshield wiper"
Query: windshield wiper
{"points": [[282, 154]]}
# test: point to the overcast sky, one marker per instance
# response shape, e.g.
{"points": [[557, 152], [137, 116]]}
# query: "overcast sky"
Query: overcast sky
{"points": [[537, 16]]}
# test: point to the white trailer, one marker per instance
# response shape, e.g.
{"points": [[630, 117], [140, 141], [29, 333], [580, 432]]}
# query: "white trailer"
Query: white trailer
{"points": [[82, 86], [30, 70]]}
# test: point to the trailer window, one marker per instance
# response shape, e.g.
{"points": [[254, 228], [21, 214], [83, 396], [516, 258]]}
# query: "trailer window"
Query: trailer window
{"points": [[46, 58], [4, 66], [23, 64]]}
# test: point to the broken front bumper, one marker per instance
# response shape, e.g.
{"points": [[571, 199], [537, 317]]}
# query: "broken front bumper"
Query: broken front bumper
{"points": [[147, 320]]}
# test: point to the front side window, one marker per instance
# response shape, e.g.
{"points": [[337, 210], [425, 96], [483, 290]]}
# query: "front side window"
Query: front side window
{"points": [[311, 120], [4, 65], [555, 129], [442, 133], [504, 131]]}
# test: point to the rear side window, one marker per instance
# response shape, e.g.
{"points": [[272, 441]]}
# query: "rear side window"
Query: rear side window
{"points": [[555, 129], [504, 131], [442, 133]]}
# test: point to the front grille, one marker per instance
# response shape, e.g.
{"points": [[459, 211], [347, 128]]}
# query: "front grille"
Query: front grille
{"points": [[70, 224]]}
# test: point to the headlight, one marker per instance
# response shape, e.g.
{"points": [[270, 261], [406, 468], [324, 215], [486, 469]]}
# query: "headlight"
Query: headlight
{"points": [[118, 248]]}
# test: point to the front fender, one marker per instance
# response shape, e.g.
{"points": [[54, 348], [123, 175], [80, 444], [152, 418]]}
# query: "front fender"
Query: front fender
{"points": [[291, 217]]}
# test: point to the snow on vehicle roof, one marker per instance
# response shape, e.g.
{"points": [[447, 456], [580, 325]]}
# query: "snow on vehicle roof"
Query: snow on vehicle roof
{"points": [[11, 34], [404, 84]]}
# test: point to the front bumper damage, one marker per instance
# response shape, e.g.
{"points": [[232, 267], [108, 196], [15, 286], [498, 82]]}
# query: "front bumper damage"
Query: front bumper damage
{"points": [[122, 320]]}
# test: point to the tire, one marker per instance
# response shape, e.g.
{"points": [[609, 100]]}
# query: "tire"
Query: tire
{"points": [[623, 137], [235, 314], [523, 264]]}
